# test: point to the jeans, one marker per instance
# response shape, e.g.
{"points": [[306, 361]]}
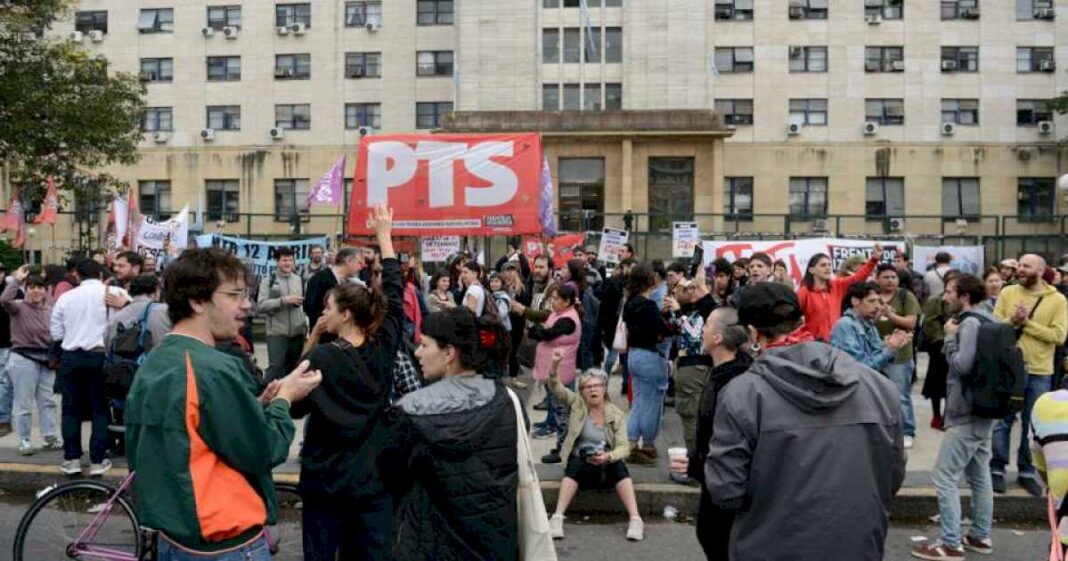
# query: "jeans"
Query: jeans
{"points": [[356, 530], [1036, 386], [257, 550], [7, 391], [965, 450], [283, 355], [610, 359], [649, 372], [901, 375], [558, 415], [33, 383], [81, 375]]}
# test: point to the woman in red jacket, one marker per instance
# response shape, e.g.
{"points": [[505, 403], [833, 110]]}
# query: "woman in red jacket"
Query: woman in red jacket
{"points": [[820, 294]]}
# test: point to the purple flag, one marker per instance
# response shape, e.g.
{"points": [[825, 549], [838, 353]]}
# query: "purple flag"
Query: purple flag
{"points": [[545, 215], [327, 191]]}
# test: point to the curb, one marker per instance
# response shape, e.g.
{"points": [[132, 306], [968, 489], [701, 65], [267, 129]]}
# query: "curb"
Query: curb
{"points": [[912, 504]]}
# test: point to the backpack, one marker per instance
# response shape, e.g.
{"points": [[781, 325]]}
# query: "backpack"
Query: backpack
{"points": [[125, 354], [999, 376]]}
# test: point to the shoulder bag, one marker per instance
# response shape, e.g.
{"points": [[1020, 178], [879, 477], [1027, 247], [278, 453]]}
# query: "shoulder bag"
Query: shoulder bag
{"points": [[535, 540]]}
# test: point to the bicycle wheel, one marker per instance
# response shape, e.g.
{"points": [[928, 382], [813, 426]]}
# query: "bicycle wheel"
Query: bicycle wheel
{"points": [[288, 531], [54, 522]]}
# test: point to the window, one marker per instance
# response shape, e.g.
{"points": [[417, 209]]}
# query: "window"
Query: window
{"points": [[359, 14], [1034, 59], [808, 9], [808, 111], [887, 9], [670, 191], [572, 45], [434, 12], [154, 198], [224, 68], [1034, 197], [572, 97], [735, 111], [884, 59], [591, 97], [224, 16], [363, 115], [960, 9], [290, 198], [159, 20], [884, 197], [224, 117], [433, 63], [960, 111], [223, 199], [613, 44], [429, 115], [157, 119], [960, 197], [91, 21], [738, 198], [1030, 112], [1034, 9], [550, 46], [960, 59], [885, 111], [808, 197], [550, 97], [293, 117], [581, 193], [591, 45], [286, 15], [363, 65], [613, 96], [734, 59], [292, 67], [734, 10], [157, 69], [808, 59]]}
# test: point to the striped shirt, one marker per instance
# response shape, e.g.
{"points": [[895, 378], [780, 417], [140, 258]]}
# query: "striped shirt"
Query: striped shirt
{"points": [[1050, 448]]}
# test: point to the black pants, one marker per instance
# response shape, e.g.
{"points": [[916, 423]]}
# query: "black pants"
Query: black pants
{"points": [[283, 355], [81, 374], [714, 529], [348, 530]]}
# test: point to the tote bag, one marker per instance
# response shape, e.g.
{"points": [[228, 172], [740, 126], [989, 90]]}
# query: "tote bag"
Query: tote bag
{"points": [[535, 541], [619, 342]]}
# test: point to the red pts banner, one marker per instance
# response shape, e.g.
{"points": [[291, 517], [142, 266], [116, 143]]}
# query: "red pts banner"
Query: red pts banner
{"points": [[559, 247], [449, 184]]}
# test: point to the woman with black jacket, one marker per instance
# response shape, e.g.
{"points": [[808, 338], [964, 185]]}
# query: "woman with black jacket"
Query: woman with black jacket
{"points": [[648, 368], [347, 511]]}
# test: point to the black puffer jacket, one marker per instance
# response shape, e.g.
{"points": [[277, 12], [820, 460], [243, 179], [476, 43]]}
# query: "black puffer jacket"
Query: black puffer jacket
{"points": [[454, 470]]}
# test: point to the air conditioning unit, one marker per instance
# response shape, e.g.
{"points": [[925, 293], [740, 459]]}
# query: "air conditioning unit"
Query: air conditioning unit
{"points": [[797, 12], [948, 128], [1045, 13], [895, 224], [897, 66], [364, 131], [145, 76], [796, 52], [298, 28], [230, 32], [793, 129], [161, 137], [872, 66], [75, 37], [207, 31], [283, 72], [278, 133], [282, 30], [970, 13], [373, 25], [949, 66], [819, 225], [96, 35], [355, 72], [870, 128], [207, 134], [1047, 65], [1045, 127], [873, 19]]}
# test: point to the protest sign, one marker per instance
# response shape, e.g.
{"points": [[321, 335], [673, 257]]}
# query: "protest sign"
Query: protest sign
{"points": [[612, 240], [966, 258], [436, 249], [259, 254], [796, 253], [684, 237], [449, 184], [558, 247], [152, 236]]}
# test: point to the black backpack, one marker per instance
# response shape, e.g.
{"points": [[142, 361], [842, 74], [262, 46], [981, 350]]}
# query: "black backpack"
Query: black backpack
{"points": [[125, 354], [999, 376]]}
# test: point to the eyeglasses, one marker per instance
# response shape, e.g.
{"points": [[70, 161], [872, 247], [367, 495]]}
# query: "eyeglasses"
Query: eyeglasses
{"points": [[239, 294]]}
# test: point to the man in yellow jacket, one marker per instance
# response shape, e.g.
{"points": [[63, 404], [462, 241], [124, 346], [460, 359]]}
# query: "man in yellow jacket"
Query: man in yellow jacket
{"points": [[1040, 315]]}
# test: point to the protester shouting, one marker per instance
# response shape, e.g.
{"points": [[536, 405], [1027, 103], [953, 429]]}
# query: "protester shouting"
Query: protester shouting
{"points": [[820, 294]]}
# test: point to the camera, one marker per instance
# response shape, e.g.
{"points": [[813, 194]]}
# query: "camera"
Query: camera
{"points": [[586, 451]]}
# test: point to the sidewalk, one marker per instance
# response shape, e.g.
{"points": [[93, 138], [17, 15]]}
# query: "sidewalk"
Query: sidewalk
{"points": [[916, 500]]}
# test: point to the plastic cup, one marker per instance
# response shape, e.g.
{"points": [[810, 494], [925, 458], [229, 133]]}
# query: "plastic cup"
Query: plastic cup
{"points": [[678, 453]]}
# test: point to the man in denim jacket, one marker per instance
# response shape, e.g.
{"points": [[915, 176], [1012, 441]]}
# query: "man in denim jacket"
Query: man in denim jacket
{"points": [[855, 332]]}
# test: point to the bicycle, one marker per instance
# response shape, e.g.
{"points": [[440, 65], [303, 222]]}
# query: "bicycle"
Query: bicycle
{"points": [[93, 521]]}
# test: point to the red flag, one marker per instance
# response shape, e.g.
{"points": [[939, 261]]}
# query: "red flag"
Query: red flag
{"points": [[134, 218], [50, 205], [15, 219]]}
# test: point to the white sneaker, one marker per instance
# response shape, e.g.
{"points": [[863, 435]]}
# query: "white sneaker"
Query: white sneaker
{"points": [[556, 526], [636, 529], [26, 447], [908, 442], [96, 470], [71, 467]]}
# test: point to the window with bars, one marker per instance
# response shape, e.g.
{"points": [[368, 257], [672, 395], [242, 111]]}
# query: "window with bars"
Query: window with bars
{"points": [[884, 197], [224, 117], [429, 115], [223, 199], [363, 65], [734, 59], [808, 59], [550, 46], [1030, 112], [96, 20], [434, 12], [808, 9], [363, 115], [154, 199], [290, 199], [885, 111], [224, 68], [808, 197], [960, 197], [738, 198], [886, 9], [1035, 197], [613, 97], [960, 111], [671, 196], [359, 14], [581, 193], [1034, 59], [293, 116], [157, 70], [960, 9], [736, 111], [157, 119], [884, 59], [286, 15], [433, 63], [156, 20], [809, 112], [738, 10], [960, 59], [224, 16], [292, 67]]}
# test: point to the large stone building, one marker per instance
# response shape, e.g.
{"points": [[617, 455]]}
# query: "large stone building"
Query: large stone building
{"points": [[871, 113]]}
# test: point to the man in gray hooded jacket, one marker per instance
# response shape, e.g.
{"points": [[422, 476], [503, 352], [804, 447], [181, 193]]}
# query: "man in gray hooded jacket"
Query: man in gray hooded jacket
{"points": [[807, 448]]}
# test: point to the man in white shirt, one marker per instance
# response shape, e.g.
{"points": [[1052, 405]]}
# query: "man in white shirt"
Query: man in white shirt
{"points": [[79, 322], [935, 278]]}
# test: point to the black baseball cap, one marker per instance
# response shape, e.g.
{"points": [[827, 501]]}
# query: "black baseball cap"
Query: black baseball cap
{"points": [[767, 304]]}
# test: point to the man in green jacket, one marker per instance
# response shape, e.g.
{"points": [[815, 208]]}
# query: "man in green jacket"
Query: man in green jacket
{"points": [[202, 443]]}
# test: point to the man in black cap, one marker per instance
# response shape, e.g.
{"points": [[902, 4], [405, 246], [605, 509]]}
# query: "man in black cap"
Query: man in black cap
{"points": [[809, 440]]}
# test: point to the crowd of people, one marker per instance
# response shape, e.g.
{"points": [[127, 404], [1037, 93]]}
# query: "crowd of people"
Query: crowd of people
{"points": [[405, 381]]}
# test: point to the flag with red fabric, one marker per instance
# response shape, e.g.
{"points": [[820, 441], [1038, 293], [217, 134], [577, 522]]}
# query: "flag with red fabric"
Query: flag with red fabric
{"points": [[50, 205]]}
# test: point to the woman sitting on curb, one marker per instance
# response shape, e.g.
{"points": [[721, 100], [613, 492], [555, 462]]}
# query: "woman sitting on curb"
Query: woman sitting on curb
{"points": [[595, 446]]}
